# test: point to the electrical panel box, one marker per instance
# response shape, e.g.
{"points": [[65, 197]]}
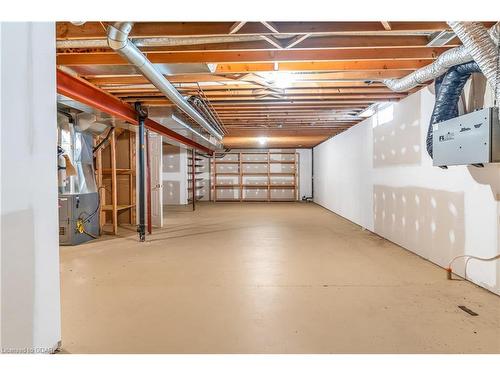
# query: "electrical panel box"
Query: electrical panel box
{"points": [[75, 207], [473, 138]]}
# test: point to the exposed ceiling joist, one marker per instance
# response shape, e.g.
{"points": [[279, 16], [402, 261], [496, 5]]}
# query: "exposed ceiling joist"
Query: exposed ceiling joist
{"points": [[92, 30], [112, 58], [298, 82]]}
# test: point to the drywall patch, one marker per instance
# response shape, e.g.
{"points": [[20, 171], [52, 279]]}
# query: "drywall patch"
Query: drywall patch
{"points": [[427, 221], [396, 134]]}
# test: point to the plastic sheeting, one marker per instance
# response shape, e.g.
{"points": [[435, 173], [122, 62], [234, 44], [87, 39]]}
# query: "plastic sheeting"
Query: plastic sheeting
{"points": [[78, 148]]}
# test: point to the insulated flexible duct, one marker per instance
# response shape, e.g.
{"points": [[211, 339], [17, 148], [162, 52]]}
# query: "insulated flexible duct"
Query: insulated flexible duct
{"points": [[448, 90], [481, 47], [439, 67], [118, 41]]}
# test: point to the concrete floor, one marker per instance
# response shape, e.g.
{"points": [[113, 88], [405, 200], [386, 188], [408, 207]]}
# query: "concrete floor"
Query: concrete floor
{"points": [[266, 278]]}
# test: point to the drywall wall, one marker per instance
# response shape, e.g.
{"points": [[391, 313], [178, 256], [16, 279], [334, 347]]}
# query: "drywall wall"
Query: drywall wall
{"points": [[305, 172], [378, 175], [1, 105], [174, 175], [30, 300]]}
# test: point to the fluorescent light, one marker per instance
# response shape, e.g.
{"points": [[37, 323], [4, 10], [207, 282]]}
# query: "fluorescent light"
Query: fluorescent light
{"points": [[262, 140], [281, 79]]}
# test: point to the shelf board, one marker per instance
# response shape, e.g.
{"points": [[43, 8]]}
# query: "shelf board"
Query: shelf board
{"points": [[255, 186], [255, 174], [227, 173], [253, 162], [282, 173], [227, 186], [120, 207], [119, 171], [282, 162], [282, 186], [227, 162], [254, 153]]}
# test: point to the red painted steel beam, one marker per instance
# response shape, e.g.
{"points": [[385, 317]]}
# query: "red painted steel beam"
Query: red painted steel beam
{"points": [[84, 92], [158, 128]]}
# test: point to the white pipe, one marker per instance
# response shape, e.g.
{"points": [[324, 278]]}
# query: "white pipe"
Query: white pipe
{"points": [[118, 41]]}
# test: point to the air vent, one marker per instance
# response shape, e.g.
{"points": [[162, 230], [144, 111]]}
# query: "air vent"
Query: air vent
{"points": [[440, 38]]}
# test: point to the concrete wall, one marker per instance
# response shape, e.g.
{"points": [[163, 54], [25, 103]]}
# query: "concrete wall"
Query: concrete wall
{"points": [[378, 175], [30, 300]]}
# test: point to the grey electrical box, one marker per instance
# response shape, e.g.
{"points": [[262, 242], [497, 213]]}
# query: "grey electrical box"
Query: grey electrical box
{"points": [[473, 138], [73, 207]]}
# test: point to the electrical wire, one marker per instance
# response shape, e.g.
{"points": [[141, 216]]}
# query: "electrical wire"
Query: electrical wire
{"points": [[97, 147], [469, 257]]}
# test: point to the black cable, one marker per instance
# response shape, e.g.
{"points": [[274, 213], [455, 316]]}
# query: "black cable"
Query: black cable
{"points": [[97, 147]]}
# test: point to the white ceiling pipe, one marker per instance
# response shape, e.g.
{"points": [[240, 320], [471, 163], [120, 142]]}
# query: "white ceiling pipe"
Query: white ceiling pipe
{"points": [[118, 41], [446, 60]]}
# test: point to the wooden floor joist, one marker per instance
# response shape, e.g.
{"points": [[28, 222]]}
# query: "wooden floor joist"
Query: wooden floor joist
{"points": [[267, 76]]}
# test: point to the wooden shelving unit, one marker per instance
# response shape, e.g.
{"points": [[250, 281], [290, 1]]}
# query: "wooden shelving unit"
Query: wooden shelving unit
{"points": [[273, 172], [116, 183]]}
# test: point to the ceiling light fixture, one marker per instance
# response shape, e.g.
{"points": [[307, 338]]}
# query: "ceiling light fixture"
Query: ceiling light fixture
{"points": [[281, 79], [262, 140]]}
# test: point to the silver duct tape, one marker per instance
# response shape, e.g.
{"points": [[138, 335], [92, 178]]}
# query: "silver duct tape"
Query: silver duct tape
{"points": [[446, 60]]}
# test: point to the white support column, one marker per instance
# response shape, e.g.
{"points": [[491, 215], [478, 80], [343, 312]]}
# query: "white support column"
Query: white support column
{"points": [[30, 295]]}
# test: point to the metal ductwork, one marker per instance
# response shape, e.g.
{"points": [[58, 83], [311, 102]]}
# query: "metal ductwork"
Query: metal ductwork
{"points": [[446, 60], [201, 107], [448, 90], [118, 41]]}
